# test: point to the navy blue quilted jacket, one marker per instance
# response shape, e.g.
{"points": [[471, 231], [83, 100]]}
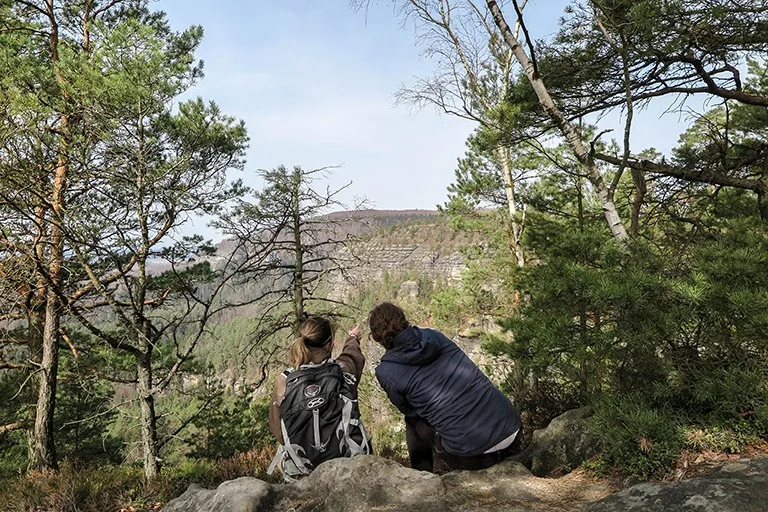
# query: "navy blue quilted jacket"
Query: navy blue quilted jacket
{"points": [[425, 374]]}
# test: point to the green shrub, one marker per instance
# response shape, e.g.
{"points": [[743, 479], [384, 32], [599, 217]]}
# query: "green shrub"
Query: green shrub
{"points": [[13, 454], [446, 307], [675, 333], [637, 438], [729, 392], [232, 423]]}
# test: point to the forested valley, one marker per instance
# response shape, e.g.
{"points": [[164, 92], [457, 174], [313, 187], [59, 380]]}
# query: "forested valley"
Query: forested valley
{"points": [[136, 356]]}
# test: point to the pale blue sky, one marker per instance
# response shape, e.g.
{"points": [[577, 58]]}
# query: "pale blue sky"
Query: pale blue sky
{"points": [[315, 82]]}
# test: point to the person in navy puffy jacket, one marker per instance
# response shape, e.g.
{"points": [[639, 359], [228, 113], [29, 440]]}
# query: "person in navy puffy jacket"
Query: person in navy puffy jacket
{"points": [[450, 406]]}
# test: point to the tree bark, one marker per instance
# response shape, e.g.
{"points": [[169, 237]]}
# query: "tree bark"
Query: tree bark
{"points": [[638, 178], [43, 447], [36, 302], [762, 200], [570, 133], [509, 189], [298, 273], [44, 457], [149, 444]]}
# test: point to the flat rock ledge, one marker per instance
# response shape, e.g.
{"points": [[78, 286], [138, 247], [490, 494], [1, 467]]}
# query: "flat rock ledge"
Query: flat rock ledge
{"points": [[372, 483], [736, 487]]}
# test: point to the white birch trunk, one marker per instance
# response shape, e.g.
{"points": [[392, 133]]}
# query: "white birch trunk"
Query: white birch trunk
{"points": [[570, 133]]}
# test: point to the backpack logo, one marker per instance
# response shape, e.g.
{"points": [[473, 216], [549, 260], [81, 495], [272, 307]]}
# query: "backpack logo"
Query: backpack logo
{"points": [[315, 402], [311, 390]]}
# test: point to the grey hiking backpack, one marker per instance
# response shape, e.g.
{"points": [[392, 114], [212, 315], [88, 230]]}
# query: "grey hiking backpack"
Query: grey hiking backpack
{"points": [[320, 419]]}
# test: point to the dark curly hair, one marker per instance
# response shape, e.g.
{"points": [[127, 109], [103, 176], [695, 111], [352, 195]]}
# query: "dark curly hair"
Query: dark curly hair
{"points": [[386, 321]]}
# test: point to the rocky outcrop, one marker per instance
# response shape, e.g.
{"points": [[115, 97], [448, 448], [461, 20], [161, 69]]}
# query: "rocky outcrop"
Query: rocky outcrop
{"points": [[484, 324], [363, 484], [372, 259], [737, 487], [409, 291], [562, 446], [372, 483], [447, 262]]}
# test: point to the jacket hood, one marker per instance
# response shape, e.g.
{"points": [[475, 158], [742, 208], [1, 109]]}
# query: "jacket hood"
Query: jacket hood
{"points": [[413, 347]]}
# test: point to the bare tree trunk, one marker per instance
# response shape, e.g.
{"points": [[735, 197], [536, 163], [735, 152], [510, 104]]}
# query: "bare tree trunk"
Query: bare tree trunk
{"points": [[580, 202], [570, 133], [637, 200], [298, 273], [150, 449], [638, 178], [36, 325], [44, 449], [149, 444], [438, 16], [36, 301], [509, 189], [44, 457]]}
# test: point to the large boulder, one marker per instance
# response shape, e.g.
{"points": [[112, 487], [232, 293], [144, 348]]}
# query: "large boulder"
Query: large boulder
{"points": [[240, 495], [409, 291], [562, 446], [361, 484], [737, 487]]}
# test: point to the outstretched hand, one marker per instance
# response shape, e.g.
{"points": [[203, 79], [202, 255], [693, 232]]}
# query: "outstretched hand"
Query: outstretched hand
{"points": [[356, 332]]}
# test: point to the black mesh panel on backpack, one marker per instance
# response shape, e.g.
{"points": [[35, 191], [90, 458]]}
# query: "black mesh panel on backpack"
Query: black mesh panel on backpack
{"points": [[320, 388]]}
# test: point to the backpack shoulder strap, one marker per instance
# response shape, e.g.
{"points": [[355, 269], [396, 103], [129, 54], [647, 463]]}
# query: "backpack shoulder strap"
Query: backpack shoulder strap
{"points": [[316, 365], [343, 430]]}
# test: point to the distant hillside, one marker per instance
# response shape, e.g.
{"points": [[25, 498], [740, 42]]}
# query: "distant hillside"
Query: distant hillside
{"points": [[377, 241], [383, 214], [360, 222]]}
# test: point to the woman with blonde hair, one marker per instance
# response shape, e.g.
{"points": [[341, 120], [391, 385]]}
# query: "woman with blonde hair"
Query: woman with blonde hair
{"points": [[314, 412]]}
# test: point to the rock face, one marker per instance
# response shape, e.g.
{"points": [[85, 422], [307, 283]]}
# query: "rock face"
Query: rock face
{"points": [[374, 259], [239, 495], [362, 484], [428, 259], [737, 487], [485, 324], [562, 446], [372, 483]]}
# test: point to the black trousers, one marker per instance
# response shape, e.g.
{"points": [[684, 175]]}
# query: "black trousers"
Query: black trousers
{"points": [[422, 439]]}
